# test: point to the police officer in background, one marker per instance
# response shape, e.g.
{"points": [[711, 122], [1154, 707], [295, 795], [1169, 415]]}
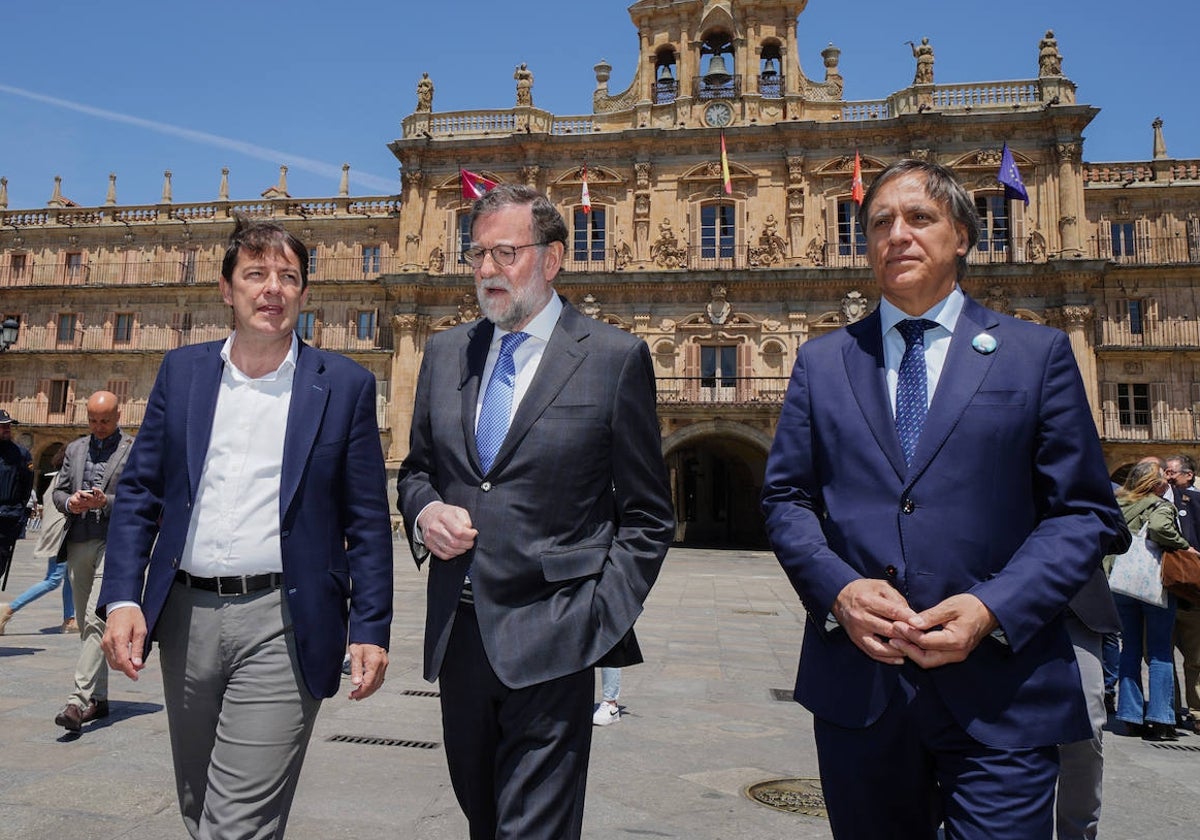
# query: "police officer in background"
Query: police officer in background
{"points": [[16, 483]]}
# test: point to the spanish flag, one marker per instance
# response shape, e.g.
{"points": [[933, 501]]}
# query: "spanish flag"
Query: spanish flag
{"points": [[725, 167], [474, 185]]}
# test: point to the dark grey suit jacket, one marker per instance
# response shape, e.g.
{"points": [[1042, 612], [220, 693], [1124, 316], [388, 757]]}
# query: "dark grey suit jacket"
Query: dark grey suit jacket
{"points": [[575, 516], [70, 475]]}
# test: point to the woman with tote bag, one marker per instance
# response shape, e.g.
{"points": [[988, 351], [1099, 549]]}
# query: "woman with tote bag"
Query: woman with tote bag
{"points": [[1150, 715]]}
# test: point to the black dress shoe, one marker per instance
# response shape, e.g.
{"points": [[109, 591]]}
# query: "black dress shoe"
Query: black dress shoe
{"points": [[1130, 730], [70, 718], [95, 710], [1160, 732]]}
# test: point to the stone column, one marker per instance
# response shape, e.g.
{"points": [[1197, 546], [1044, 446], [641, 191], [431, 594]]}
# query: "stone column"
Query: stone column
{"points": [[409, 331], [1076, 323], [1070, 199]]}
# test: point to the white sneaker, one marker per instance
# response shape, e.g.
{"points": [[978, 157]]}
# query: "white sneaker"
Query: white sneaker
{"points": [[606, 713]]}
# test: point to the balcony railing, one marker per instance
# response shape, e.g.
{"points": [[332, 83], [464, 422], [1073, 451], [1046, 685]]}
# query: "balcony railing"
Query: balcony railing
{"points": [[339, 336], [1147, 250], [1169, 425], [704, 90], [379, 206], [36, 411], [179, 272], [1151, 332], [721, 390]]}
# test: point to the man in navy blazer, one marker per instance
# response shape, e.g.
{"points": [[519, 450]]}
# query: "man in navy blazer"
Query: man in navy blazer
{"points": [[251, 539], [934, 658], [546, 542]]}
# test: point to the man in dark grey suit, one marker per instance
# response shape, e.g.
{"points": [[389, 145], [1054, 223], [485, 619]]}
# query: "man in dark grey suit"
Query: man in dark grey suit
{"points": [[535, 478], [85, 490]]}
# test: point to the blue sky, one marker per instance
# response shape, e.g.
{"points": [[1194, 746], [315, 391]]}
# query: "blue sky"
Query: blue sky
{"points": [[139, 86]]}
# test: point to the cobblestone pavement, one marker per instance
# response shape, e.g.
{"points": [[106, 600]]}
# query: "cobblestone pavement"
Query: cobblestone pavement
{"points": [[707, 716]]}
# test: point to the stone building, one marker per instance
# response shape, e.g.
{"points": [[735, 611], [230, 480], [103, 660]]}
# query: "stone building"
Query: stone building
{"points": [[724, 279]]}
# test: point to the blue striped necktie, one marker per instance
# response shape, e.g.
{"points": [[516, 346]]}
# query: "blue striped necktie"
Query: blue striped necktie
{"points": [[497, 402], [912, 385]]}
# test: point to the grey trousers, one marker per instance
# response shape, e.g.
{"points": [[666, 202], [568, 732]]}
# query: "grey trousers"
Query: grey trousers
{"points": [[239, 714], [1081, 764], [85, 568]]}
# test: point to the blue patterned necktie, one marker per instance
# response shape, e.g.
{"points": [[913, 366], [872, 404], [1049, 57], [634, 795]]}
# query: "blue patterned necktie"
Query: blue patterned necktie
{"points": [[912, 386], [497, 402]]}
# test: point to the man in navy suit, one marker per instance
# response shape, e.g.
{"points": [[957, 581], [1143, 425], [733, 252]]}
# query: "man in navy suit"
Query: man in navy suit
{"points": [[547, 525], [936, 494], [251, 539]]}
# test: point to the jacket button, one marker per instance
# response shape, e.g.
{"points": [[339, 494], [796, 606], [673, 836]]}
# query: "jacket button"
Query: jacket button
{"points": [[908, 506], [890, 571], [486, 486]]}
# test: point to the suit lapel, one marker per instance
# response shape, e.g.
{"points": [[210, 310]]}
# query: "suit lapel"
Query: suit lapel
{"points": [[562, 356], [306, 412], [472, 363], [962, 374], [863, 357], [115, 462], [203, 388]]}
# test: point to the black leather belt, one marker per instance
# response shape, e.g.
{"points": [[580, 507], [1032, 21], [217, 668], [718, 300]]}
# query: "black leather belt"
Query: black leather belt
{"points": [[231, 586]]}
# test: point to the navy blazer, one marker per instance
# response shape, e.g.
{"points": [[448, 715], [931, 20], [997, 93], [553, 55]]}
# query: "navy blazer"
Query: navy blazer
{"points": [[574, 517], [335, 531], [1007, 498]]}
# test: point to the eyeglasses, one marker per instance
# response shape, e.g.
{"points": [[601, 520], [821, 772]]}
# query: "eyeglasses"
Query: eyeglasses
{"points": [[1169, 473], [503, 255]]}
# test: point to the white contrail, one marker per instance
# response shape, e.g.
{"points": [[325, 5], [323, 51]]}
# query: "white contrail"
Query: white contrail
{"points": [[375, 182]]}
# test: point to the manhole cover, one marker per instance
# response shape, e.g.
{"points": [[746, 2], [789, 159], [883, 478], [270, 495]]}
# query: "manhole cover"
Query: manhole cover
{"points": [[797, 796]]}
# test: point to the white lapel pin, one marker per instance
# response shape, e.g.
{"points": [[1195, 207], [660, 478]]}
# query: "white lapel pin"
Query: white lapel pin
{"points": [[984, 343]]}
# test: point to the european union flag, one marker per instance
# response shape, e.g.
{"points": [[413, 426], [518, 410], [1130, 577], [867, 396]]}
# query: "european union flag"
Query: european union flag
{"points": [[1014, 187]]}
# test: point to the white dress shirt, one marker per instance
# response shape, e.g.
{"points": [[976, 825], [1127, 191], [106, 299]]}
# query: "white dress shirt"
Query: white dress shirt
{"points": [[234, 528], [526, 357], [937, 341]]}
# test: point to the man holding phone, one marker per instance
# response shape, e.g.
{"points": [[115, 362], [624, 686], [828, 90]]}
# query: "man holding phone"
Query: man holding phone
{"points": [[84, 492]]}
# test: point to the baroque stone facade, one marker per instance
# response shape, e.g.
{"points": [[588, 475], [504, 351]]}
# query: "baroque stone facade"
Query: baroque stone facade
{"points": [[723, 287]]}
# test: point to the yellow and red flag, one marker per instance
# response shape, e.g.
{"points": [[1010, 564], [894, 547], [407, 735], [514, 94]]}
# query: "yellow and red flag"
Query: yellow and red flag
{"points": [[725, 167]]}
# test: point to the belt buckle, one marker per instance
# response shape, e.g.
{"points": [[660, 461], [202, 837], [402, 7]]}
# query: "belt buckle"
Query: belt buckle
{"points": [[222, 593]]}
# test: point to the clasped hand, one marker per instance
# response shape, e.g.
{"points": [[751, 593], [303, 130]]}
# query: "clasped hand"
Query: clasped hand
{"points": [[882, 625]]}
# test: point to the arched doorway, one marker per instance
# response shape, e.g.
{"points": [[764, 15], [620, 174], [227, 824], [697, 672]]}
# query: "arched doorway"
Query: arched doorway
{"points": [[717, 469]]}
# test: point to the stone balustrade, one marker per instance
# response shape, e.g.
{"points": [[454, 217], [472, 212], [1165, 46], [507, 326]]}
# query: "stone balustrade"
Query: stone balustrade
{"points": [[381, 206]]}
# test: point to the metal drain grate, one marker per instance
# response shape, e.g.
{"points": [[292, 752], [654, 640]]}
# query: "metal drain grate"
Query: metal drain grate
{"points": [[1194, 748], [383, 742], [784, 694], [414, 692], [796, 796]]}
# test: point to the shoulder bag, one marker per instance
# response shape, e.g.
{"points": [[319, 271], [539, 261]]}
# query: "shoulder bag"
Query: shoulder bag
{"points": [[1138, 572], [1181, 573]]}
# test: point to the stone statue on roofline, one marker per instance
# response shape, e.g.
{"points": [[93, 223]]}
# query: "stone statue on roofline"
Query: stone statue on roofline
{"points": [[924, 56], [425, 93]]}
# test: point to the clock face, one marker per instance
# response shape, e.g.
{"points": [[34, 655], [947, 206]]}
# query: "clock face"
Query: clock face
{"points": [[718, 114]]}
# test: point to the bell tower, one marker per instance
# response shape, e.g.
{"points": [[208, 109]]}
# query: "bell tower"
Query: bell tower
{"points": [[717, 63]]}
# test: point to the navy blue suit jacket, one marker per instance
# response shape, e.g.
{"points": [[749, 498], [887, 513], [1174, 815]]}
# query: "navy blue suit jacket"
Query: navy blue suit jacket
{"points": [[334, 522], [1007, 498]]}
